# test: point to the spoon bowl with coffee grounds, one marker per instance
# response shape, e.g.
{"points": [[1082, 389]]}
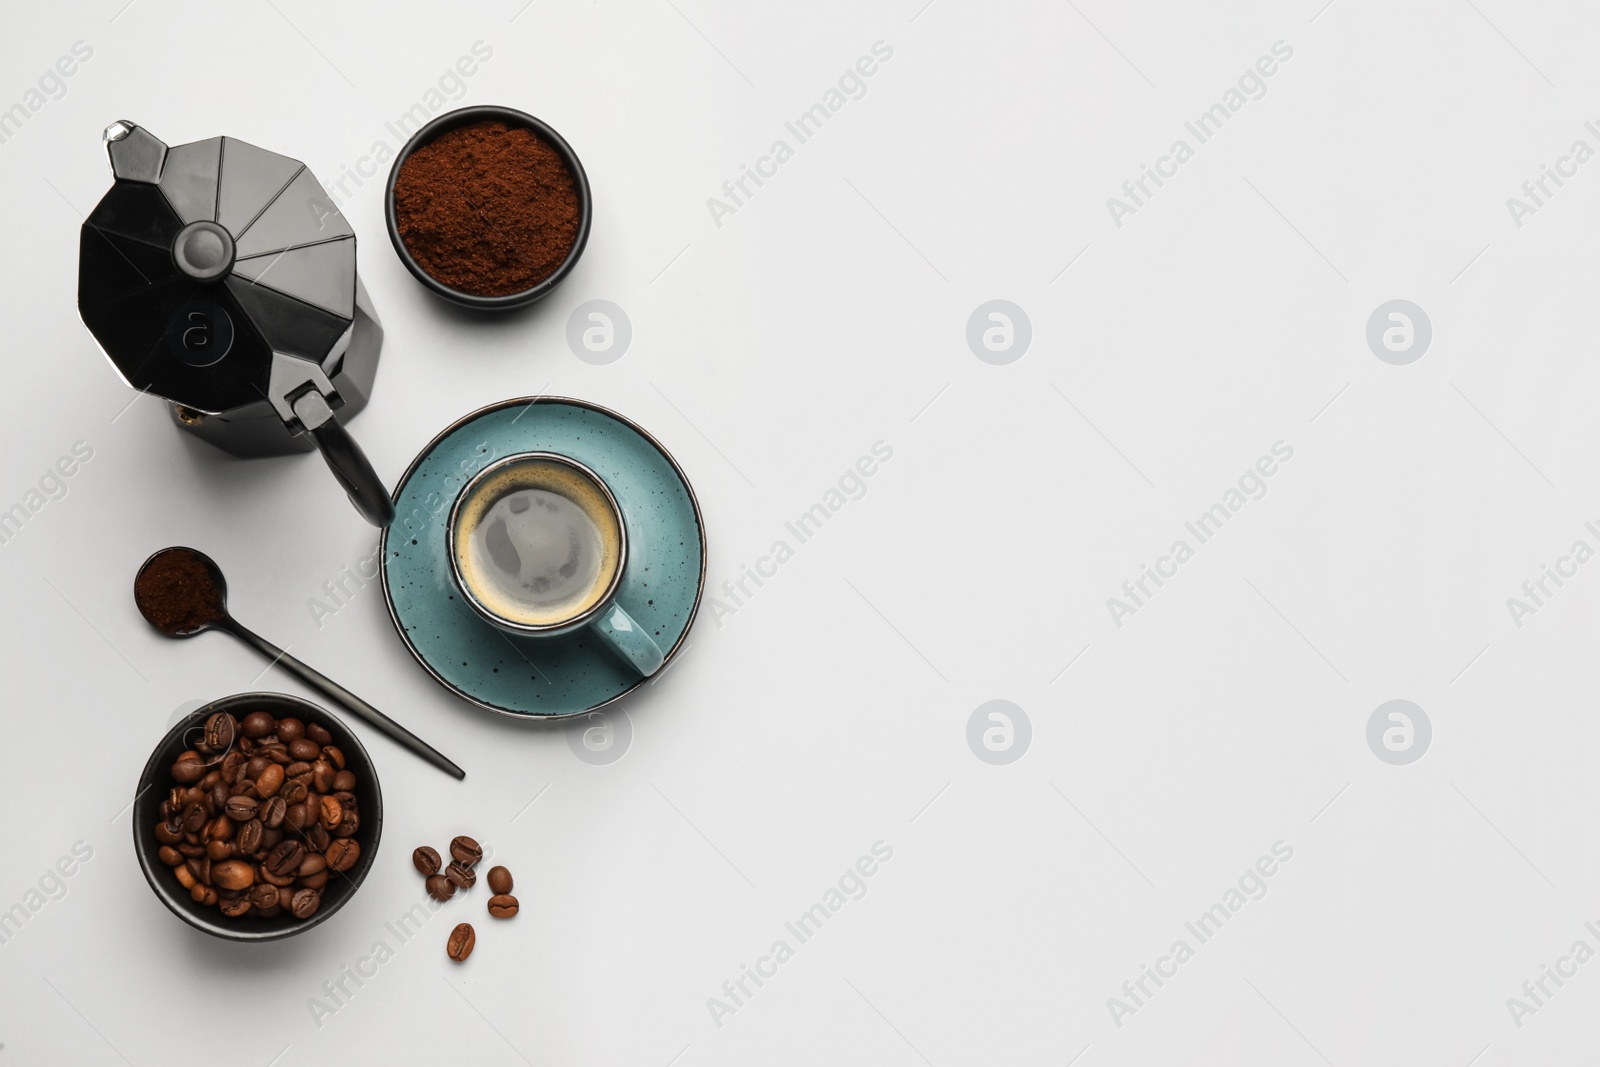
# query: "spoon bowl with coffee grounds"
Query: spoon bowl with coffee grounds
{"points": [[488, 207], [181, 592]]}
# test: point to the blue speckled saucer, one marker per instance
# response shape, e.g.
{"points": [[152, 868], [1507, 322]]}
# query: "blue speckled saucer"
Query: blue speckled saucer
{"points": [[542, 676]]}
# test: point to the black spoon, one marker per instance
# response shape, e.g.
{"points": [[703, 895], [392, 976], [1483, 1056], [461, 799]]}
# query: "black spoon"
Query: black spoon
{"points": [[186, 594]]}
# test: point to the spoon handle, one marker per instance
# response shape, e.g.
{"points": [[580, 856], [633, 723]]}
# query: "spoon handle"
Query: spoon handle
{"points": [[346, 699]]}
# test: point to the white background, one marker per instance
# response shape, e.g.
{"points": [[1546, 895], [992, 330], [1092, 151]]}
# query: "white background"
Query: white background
{"points": [[829, 711]]}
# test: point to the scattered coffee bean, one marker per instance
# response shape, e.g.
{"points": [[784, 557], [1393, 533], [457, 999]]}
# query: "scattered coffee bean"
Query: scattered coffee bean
{"points": [[262, 813], [502, 905], [461, 876], [439, 887], [462, 940], [499, 880], [466, 850], [426, 860]]}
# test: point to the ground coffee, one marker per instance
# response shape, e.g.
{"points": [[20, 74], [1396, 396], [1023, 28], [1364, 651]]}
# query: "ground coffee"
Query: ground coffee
{"points": [[487, 209], [177, 593]]}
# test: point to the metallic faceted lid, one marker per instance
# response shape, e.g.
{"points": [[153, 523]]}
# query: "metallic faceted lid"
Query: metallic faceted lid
{"points": [[204, 259]]}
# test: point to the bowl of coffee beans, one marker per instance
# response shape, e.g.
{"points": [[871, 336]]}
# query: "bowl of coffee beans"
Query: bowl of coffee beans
{"points": [[257, 817], [488, 207]]}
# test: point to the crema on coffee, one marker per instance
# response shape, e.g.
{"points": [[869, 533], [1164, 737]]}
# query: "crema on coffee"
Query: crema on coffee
{"points": [[537, 542]]}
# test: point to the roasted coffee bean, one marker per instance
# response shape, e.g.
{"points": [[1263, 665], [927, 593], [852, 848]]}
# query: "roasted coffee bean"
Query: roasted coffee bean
{"points": [[241, 808], [258, 724], [270, 780], [305, 903], [426, 860], [233, 874], [503, 905], [272, 811], [349, 824], [466, 850], [260, 815], [439, 887], [342, 854], [499, 880], [332, 811], [462, 940], [461, 876], [266, 875], [221, 729], [285, 857], [248, 837], [322, 776]]}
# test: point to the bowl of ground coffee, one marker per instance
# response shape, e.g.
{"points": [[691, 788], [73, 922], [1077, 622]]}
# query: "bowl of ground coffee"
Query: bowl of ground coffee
{"points": [[257, 817], [488, 207]]}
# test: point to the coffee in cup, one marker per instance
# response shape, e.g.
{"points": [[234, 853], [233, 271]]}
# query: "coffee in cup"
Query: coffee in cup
{"points": [[538, 545]]}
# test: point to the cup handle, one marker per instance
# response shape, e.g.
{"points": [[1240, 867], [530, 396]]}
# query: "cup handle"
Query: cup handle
{"points": [[629, 640]]}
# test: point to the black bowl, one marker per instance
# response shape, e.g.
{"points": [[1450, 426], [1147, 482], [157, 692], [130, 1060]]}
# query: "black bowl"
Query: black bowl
{"points": [[156, 782], [466, 116]]}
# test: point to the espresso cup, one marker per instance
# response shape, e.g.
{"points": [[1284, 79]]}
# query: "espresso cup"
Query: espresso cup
{"points": [[537, 547]]}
